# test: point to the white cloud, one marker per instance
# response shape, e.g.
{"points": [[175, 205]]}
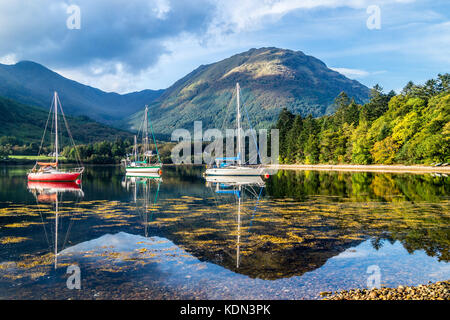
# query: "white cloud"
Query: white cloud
{"points": [[351, 73], [8, 59], [113, 79], [356, 73], [242, 15], [161, 9], [139, 34]]}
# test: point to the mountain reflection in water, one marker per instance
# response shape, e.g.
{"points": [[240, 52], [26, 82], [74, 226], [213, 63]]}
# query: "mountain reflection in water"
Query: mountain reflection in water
{"points": [[290, 236]]}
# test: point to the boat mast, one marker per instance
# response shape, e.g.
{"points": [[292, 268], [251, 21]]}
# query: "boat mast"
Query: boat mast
{"points": [[56, 231], [238, 124], [239, 226], [135, 148], [146, 132], [135, 192], [56, 127], [147, 187]]}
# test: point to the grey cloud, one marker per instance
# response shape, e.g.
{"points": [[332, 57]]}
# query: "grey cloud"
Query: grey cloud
{"points": [[128, 32]]}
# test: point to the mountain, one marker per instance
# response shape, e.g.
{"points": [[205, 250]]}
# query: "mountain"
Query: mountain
{"points": [[270, 79], [27, 123], [31, 83]]}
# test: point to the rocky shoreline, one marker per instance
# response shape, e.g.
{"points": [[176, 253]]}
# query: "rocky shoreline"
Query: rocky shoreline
{"points": [[433, 291]]}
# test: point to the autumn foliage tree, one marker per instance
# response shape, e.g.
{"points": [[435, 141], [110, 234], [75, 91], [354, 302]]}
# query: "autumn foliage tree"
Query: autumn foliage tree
{"points": [[410, 127]]}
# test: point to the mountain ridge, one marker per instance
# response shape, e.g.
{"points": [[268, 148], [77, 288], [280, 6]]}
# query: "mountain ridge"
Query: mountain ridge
{"points": [[31, 83], [270, 79]]}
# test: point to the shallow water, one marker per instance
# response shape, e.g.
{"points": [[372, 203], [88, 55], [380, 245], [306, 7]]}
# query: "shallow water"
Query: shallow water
{"points": [[291, 236]]}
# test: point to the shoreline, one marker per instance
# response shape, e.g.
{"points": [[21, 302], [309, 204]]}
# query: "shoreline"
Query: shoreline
{"points": [[398, 168], [439, 290], [363, 168], [26, 162]]}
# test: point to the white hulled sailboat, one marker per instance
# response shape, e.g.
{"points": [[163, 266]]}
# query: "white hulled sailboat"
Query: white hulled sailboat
{"points": [[234, 166], [142, 163]]}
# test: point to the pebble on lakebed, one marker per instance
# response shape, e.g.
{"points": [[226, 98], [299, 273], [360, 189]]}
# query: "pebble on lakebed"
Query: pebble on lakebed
{"points": [[433, 291]]}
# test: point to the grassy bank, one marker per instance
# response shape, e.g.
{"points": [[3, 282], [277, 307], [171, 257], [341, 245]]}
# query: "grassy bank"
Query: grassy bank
{"points": [[34, 158], [26, 159]]}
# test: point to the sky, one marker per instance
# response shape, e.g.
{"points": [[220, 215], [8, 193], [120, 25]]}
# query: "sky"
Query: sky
{"points": [[126, 46]]}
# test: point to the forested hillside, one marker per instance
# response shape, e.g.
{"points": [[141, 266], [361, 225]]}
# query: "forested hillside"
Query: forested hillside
{"points": [[410, 127], [22, 126]]}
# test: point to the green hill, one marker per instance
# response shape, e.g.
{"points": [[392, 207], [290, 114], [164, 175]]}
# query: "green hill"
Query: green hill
{"points": [[26, 124], [31, 83], [412, 127], [270, 79]]}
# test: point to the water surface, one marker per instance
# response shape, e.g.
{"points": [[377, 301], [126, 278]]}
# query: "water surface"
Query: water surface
{"points": [[288, 237]]}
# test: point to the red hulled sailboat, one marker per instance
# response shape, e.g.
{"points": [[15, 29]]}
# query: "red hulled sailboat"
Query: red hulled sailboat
{"points": [[50, 171]]}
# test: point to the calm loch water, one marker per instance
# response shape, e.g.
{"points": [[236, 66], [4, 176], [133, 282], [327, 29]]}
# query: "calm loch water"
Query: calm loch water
{"points": [[288, 237]]}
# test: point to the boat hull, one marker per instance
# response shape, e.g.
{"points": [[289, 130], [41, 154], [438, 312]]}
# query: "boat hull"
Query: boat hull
{"points": [[149, 169], [236, 180], [57, 176], [54, 185], [236, 171], [148, 175]]}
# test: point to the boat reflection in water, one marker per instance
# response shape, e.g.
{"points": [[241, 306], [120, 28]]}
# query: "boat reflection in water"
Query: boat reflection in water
{"points": [[53, 193], [291, 236], [242, 188], [143, 197]]}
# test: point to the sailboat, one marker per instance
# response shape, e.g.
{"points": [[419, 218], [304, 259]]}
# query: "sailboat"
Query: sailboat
{"points": [[234, 166], [50, 171], [142, 163]]}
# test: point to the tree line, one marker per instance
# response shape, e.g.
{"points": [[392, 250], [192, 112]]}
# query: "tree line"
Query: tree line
{"points": [[101, 152], [10, 145], [107, 152], [412, 127]]}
